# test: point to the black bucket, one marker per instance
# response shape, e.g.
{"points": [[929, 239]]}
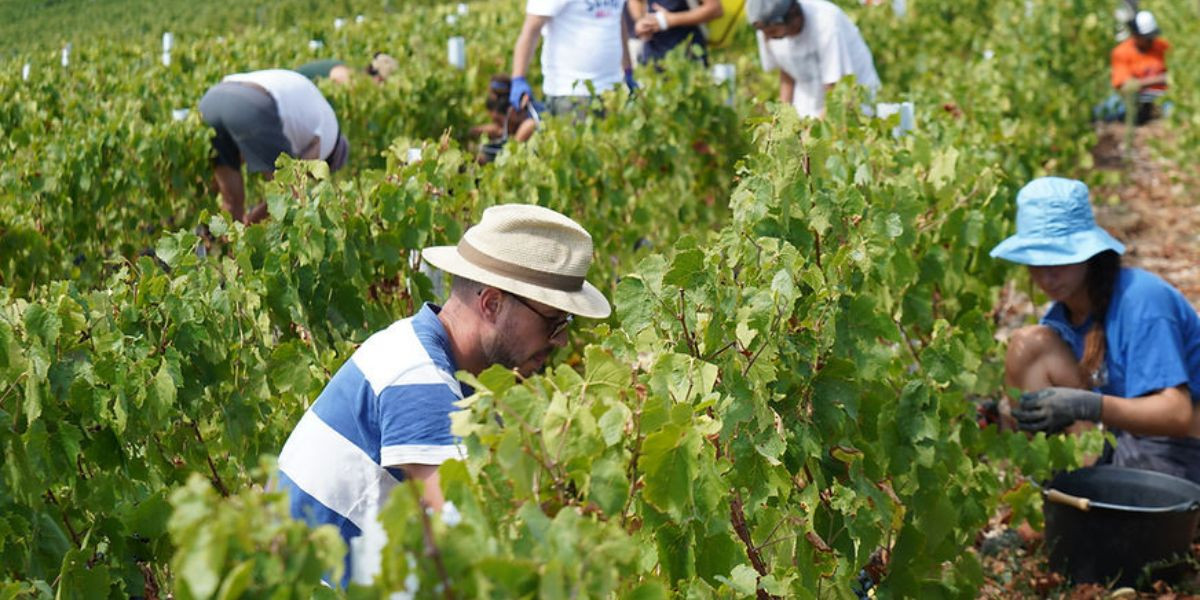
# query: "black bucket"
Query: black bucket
{"points": [[1106, 524]]}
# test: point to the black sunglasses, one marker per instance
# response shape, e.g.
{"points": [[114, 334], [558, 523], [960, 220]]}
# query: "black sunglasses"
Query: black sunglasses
{"points": [[556, 326]]}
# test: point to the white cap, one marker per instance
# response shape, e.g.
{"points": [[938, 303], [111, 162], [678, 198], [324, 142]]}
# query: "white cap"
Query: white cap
{"points": [[1144, 24]]}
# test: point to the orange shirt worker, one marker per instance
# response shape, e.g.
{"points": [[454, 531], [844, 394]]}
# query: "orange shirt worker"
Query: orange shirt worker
{"points": [[1139, 64]]}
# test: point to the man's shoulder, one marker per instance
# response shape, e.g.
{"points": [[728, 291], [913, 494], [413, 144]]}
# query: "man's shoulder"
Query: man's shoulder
{"points": [[405, 353]]}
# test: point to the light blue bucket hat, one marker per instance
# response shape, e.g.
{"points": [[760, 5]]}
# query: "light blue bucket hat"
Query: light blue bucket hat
{"points": [[1055, 226]]}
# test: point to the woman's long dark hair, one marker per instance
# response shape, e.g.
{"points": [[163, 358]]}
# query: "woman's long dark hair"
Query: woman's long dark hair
{"points": [[1102, 272]]}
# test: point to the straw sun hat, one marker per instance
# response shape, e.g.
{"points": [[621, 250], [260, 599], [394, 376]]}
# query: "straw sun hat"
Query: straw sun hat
{"points": [[1055, 226], [530, 251]]}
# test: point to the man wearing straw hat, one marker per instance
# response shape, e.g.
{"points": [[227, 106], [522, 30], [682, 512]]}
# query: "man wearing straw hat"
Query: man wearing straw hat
{"points": [[385, 415]]}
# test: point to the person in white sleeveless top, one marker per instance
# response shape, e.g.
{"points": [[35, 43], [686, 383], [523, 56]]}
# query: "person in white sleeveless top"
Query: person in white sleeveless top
{"points": [[259, 115]]}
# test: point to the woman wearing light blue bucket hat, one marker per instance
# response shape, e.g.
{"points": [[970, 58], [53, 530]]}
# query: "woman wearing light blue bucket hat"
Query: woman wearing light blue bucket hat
{"points": [[1119, 346]]}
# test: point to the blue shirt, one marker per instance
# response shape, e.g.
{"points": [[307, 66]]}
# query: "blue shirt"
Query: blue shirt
{"points": [[387, 406], [1152, 337]]}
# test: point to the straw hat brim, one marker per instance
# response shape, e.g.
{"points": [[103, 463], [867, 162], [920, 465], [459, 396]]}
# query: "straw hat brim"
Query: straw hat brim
{"points": [[1056, 251], [587, 302]]}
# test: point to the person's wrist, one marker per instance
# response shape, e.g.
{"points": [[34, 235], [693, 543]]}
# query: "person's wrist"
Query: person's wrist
{"points": [[661, 17], [1094, 406]]}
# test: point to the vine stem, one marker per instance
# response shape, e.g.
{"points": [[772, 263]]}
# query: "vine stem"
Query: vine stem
{"points": [[687, 336], [12, 386], [531, 431], [212, 468], [633, 464], [720, 351], [66, 520], [908, 343], [774, 326], [431, 549], [737, 516], [817, 250]]}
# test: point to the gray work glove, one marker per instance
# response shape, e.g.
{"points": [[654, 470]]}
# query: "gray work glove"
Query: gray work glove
{"points": [[1054, 408]]}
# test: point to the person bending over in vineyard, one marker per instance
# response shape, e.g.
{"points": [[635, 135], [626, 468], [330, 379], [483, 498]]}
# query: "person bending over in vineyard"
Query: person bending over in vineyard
{"points": [[669, 23], [813, 44], [1119, 346], [384, 417], [585, 46], [507, 122], [381, 66], [259, 115], [1139, 69]]}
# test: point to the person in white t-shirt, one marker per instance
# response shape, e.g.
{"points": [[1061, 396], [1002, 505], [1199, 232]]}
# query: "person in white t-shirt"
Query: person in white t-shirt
{"points": [[585, 43], [813, 44], [259, 115]]}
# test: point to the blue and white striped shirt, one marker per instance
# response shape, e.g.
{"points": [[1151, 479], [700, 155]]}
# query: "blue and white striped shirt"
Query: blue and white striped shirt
{"points": [[389, 405]]}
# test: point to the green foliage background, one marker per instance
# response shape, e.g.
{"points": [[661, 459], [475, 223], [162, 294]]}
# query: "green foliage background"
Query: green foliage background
{"points": [[783, 392]]}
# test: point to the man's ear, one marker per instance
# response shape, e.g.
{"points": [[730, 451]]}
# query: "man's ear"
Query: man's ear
{"points": [[489, 303]]}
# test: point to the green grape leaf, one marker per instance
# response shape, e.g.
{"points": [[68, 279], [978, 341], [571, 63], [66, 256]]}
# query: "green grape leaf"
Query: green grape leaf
{"points": [[669, 463]]}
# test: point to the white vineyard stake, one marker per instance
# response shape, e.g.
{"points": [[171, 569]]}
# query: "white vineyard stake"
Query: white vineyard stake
{"points": [[908, 120], [168, 40], [25, 72], [456, 52], [726, 74], [66, 54]]}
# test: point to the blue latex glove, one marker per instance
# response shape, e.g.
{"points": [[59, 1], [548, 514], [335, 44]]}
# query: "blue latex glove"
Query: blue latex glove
{"points": [[629, 80], [518, 90]]}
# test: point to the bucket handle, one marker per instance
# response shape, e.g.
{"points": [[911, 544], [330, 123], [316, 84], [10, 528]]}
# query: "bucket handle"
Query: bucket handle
{"points": [[1085, 504], [1054, 495]]}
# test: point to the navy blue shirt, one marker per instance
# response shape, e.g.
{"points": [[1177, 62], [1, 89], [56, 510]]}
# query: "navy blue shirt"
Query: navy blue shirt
{"points": [[661, 43]]}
